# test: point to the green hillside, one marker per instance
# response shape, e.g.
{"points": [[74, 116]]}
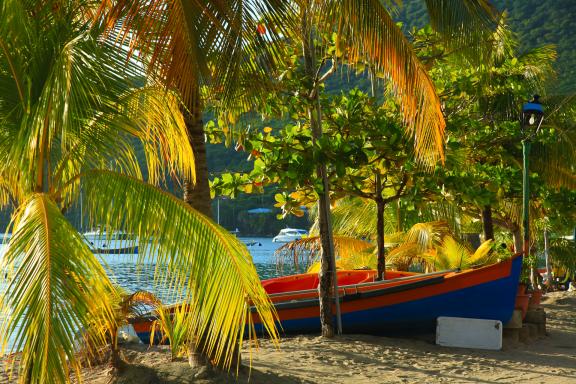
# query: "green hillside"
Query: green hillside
{"points": [[536, 23]]}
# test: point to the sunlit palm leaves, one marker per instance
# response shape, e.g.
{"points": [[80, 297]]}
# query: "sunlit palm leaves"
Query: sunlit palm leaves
{"points": [[69, 114], [222, 44], [563, 255], [451, 254], [356, 217], [186, 44], [466, 25], [56, 288], [305, 253], [555, 160], [205, 263]]}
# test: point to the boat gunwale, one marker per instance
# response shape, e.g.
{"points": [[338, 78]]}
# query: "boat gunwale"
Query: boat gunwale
{"points": [[309, 302], [422, 276]]}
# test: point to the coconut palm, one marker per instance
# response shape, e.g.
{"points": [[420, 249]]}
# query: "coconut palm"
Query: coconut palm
{"points": [[191, 45], [70, 115], [189, 34]]}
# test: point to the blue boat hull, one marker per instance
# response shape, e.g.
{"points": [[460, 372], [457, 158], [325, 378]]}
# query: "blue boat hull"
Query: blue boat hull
{"points": [[491, 300]]}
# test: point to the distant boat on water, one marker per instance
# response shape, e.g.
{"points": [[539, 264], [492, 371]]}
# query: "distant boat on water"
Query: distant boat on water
{"points": [[287, 235], [117, 242], [252, 243]]}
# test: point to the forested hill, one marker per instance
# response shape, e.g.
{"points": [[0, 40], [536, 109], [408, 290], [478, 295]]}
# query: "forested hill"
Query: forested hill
{"points": [[536, 23]]}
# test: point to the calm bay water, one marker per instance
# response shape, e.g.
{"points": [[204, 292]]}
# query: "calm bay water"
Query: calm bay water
{"points": [[123, 269]]}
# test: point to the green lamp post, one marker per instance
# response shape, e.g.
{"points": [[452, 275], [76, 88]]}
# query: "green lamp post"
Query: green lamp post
{"points": [[532, 116]]}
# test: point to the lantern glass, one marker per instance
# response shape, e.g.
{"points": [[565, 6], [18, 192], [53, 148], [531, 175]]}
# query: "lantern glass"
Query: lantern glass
{"points": [[532, 113]]}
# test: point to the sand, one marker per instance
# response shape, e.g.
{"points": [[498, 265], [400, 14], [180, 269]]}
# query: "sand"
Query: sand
{"points": [[369, 359]]}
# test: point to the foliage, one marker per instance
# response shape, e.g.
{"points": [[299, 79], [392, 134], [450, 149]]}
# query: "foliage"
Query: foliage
{"points": [[304, 254], [563, 253], [453, 255], [125, 307], [69, 117], [429, 246], [484, 168], [171, 323], [536, 22]]}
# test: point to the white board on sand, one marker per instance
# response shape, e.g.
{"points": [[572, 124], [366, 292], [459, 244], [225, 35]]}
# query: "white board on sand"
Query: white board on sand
{"points": [[469, 333]]}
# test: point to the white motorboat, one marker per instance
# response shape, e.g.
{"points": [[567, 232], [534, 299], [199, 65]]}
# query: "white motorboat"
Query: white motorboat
{"points": [[287, 235], [117, 242]]}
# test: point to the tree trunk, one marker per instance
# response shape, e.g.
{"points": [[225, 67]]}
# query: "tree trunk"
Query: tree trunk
{"points": [[487, 223], [327, 276], [381, 247], [198, 195], [517, 236], [547, 257], [326, 283]]}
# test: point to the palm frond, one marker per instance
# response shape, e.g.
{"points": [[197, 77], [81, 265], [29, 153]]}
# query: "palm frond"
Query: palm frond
{"points": [[56, 288], [554, 161], [152, 115], [171, 322], [305, 253], [427, 235], [466, 25], [538, 66], [189, 44], [212, 267], [369, 32], [563, 255], [356, 217]]}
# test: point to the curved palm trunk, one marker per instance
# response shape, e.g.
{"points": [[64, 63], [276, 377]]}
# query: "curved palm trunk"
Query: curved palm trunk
{"points": [[198, 195]]}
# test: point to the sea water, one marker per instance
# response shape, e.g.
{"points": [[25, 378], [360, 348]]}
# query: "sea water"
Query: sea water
{"points": [[124, 271]]}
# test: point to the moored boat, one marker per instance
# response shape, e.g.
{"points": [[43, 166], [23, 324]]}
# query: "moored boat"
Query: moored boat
{"points": [[116, 251], [287, 235], [405, 301], [114, 243]]}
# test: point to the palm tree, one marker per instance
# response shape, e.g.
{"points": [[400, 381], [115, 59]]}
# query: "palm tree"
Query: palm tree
{"points": [[189, 34], [70, 115], [190, 45]]}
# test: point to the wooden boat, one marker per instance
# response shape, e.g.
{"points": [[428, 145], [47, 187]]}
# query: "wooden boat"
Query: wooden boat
{"points": [[405, 301]]}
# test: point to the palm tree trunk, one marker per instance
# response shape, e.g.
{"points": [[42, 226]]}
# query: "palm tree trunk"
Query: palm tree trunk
{"points": [[547, 257], [197, 195], [487, 223]]}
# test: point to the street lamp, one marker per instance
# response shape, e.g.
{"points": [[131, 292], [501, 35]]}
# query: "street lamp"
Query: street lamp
{"points": [[532, 116]]}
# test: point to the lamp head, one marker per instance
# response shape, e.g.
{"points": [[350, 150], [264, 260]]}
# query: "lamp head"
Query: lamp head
{"points": [[532, 113]]}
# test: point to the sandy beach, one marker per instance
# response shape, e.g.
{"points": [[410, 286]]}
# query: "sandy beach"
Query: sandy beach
{"points": [[370, 359]]}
